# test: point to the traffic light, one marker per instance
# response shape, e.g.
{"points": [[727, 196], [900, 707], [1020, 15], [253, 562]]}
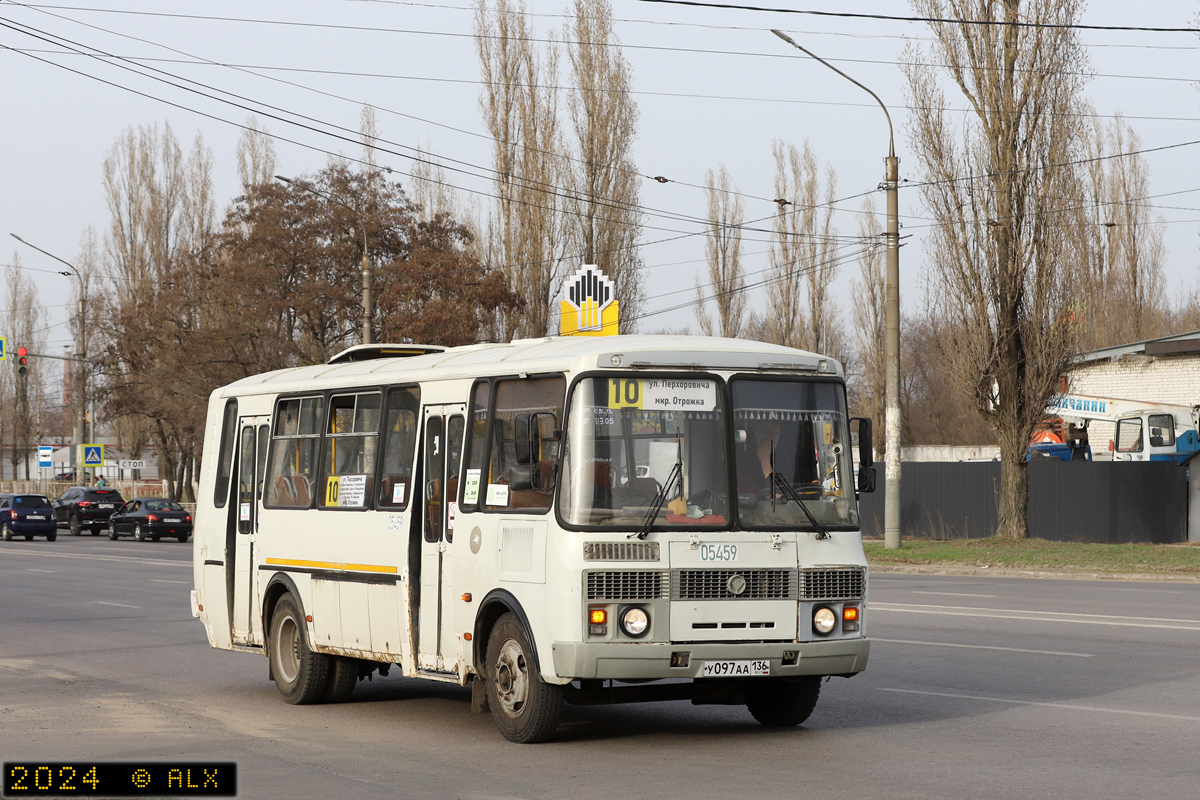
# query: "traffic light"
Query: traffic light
{"points": [[22, 361]]}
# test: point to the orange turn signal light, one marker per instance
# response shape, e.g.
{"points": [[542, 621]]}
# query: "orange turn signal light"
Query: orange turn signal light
{"points": [[466, 597], [598, 616], [850, 614]]}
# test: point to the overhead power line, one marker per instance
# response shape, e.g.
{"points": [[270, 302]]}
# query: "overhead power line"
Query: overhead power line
{"points": [[944, 20]]}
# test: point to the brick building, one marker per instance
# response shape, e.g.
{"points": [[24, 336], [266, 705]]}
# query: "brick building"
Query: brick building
{"points": [[1165, 370]]}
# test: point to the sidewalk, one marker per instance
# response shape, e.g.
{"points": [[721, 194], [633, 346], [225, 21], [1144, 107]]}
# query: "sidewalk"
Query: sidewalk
{"points": [[1004, 572]]}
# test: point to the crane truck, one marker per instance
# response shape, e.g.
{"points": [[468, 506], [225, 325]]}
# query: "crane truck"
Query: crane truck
{"points": [[1144, 431]]}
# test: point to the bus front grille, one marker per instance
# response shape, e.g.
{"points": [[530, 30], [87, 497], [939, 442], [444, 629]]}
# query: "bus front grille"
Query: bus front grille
{"points": [[832, 584], [620, 551], [718, 584], [628, 585]]}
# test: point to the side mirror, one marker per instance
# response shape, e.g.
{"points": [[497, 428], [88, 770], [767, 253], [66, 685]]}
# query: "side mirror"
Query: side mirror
{"points": [[866, 480], [523, 477], [527, 438], [866, 448]]}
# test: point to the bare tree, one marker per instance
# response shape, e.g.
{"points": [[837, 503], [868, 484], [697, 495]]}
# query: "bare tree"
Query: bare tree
{"points": [[723, 252], [803, 256], [1000, 252], [26, 318], [604, 179], [255, 156], [526, 237], [1122, 239], [869, 294], [158, 246]]}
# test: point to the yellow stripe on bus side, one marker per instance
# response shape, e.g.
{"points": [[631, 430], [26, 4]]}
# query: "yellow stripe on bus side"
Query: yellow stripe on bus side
{"points": [[291, 562]]}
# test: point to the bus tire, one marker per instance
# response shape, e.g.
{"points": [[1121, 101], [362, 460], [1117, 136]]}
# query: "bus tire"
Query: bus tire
{"points": [[299, 673], [343, 677], [525, 709], [782, 702]]}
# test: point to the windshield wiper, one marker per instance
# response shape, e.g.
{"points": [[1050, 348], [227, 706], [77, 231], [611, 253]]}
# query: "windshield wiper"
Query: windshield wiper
{"points": [[790, 493], [657, 504]]}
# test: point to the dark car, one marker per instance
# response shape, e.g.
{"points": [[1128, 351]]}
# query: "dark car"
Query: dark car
{"points": [[27, 515], [82, 507], [151, 518]]}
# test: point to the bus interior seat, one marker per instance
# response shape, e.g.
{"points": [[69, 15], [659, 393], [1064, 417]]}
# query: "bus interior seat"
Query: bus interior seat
{"points": [[642, 491], [1156, 441], [284, 492], [303, 492]]}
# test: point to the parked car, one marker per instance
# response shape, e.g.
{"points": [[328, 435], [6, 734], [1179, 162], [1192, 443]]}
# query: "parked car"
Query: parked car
{"points": [[27, 515], [150, 518], [82, 507]]}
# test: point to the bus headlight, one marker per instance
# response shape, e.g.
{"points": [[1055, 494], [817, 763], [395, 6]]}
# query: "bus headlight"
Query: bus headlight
{"points": [[635, 622], [824, 620]]}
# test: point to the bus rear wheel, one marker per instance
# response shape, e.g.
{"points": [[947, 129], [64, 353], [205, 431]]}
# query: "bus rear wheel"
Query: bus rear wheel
{"points": [[525, 709], [299, 673], [783, 702], [343, 677]]}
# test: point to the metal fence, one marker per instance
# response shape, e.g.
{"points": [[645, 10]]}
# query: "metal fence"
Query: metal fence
{"points": [[1069, 501]]}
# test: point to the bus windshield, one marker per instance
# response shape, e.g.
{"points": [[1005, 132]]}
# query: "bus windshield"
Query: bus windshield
{"points": [[796, 431], [645, 451]]}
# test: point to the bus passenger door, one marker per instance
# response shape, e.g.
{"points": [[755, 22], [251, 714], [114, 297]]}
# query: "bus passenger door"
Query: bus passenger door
{"points": [[437, 644], [251, 461]]}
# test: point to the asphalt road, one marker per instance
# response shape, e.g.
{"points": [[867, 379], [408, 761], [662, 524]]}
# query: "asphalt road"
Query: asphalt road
{"points": [[977, 687]]}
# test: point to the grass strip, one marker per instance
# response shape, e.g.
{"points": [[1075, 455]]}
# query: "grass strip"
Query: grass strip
{"points": [[1042, 555]]}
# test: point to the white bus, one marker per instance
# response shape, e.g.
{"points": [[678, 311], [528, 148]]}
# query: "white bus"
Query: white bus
{"points": [[580, 520]]}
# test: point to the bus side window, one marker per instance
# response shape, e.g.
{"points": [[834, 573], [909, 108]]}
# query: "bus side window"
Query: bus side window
{"points": [[291, 464], [400, 432], [473, 478], [225, 457], [351, 444], [542, 400]]}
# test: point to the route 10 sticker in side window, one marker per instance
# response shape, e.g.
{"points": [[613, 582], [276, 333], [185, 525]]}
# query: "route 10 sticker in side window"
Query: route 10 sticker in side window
{"points": [[663, 394]]}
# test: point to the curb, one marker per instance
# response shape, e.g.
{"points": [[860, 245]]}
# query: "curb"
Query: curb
{"points": [[1010, 572]]}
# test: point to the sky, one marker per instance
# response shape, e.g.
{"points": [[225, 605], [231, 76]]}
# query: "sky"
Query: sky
{"points": [[713, 87]]}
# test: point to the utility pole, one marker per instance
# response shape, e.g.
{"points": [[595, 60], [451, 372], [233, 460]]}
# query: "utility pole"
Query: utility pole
{"points": [[80, 358], [891, 335]]}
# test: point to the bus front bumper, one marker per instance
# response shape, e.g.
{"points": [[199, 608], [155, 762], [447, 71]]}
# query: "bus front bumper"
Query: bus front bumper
{"points": [[652, 660]]}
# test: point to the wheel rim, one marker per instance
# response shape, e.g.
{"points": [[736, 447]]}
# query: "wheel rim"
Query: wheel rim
{"points": [[512, 678], [288, 649], [137, 533]]}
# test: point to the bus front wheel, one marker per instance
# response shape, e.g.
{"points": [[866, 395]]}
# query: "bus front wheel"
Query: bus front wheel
{"points": [[299, 673], [782, 702], [525, 708]]}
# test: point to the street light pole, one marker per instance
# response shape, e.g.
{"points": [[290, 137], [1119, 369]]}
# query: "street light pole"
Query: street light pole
{"points": [[80, 366], [368, 307], [891, 346]]}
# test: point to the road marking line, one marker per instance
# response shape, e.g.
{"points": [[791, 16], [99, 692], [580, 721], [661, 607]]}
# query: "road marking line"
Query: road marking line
{"points": [[158, 580], [51, 571], [157, 562], [953, 594], [1070, 706], [1155, 591], [1029, 616], [984, 647], [122, 605]]}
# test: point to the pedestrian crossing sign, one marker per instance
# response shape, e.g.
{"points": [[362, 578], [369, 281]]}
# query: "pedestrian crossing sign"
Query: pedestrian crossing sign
{"points": [[93, 455]]}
